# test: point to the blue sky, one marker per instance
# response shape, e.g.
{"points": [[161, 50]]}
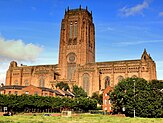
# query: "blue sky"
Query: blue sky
{"points": [[30, 30]]}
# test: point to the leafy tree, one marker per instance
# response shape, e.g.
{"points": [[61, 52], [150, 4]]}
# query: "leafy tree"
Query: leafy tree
{"points": [[62, 85], [79, 92], [40, 104], [98, 97], [142, 96]]}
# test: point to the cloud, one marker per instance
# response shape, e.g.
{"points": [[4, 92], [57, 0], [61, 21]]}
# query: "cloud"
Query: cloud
{"points": [[18, 50], [2, 77], [161, 14], [137, 42], [137, 9]]}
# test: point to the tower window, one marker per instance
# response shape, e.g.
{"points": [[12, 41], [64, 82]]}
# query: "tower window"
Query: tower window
{"points": [[75, 30], [71, 30]]}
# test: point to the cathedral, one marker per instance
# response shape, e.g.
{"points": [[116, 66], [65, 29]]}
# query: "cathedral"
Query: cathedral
{"points": [[76, 63]]}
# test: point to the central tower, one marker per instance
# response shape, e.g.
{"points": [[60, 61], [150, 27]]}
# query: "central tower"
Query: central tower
{"points": [[77, 42]]}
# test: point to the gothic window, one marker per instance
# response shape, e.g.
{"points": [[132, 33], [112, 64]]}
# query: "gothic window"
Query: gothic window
{"points": [[120, 78], [41, 81], [88, 36], [71, 59], [26, 83], [75, 30], [107, 81], [71, 30], [16, 82], [86, 82], [71, 71]]}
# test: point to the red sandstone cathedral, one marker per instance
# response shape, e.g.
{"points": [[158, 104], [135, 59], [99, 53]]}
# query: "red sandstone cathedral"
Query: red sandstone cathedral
{"points": [[76, 64]]}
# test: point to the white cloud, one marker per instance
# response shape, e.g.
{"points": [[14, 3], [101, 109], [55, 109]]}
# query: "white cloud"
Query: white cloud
{"points": [[3, 69], [18, 50], [2, 77], [137, 9], [161, 14]]}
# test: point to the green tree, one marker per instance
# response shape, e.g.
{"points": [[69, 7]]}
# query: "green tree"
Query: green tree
{"points": [[138, 94], [98, 97], [62, 85], [79, 92]]}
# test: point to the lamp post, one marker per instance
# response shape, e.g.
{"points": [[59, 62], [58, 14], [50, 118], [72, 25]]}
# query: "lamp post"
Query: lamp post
{"points": [[134, 98]]}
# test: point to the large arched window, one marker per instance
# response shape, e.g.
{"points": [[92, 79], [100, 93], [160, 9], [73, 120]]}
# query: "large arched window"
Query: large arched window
{"points": [[26, 82], [107, 81], [120, 78], [41, 81], [75, 30], [86, 82], [71, 30], [71, 59]]}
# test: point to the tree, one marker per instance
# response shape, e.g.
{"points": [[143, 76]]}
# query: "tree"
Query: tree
{"points": [[98, 97], [79, 92], [140, 96], [63, 85], [29, 103]]}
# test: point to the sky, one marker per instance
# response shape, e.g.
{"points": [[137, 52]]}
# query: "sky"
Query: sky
{"points": [[30, 30]]}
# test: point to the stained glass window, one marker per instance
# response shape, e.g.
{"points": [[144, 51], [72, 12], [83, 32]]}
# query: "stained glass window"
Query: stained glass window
{"points": [[86, 82]]}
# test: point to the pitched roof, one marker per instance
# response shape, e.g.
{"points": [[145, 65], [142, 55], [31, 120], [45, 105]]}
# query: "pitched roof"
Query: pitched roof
{"points": [[18, 87], [57, 92]]}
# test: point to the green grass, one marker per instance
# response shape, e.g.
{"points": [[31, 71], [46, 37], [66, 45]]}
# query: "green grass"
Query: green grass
{"points": [[83, 118]]}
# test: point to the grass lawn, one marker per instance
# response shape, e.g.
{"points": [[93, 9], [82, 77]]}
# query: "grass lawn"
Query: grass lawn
{"points": [[83, 118]]}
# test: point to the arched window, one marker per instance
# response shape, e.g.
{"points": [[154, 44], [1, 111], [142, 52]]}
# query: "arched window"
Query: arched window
{"points": [[86, 82], [71, 30], [75, 30], [16, 82], [107, 81], [120, 78], [26, 82], [41, 81]]}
